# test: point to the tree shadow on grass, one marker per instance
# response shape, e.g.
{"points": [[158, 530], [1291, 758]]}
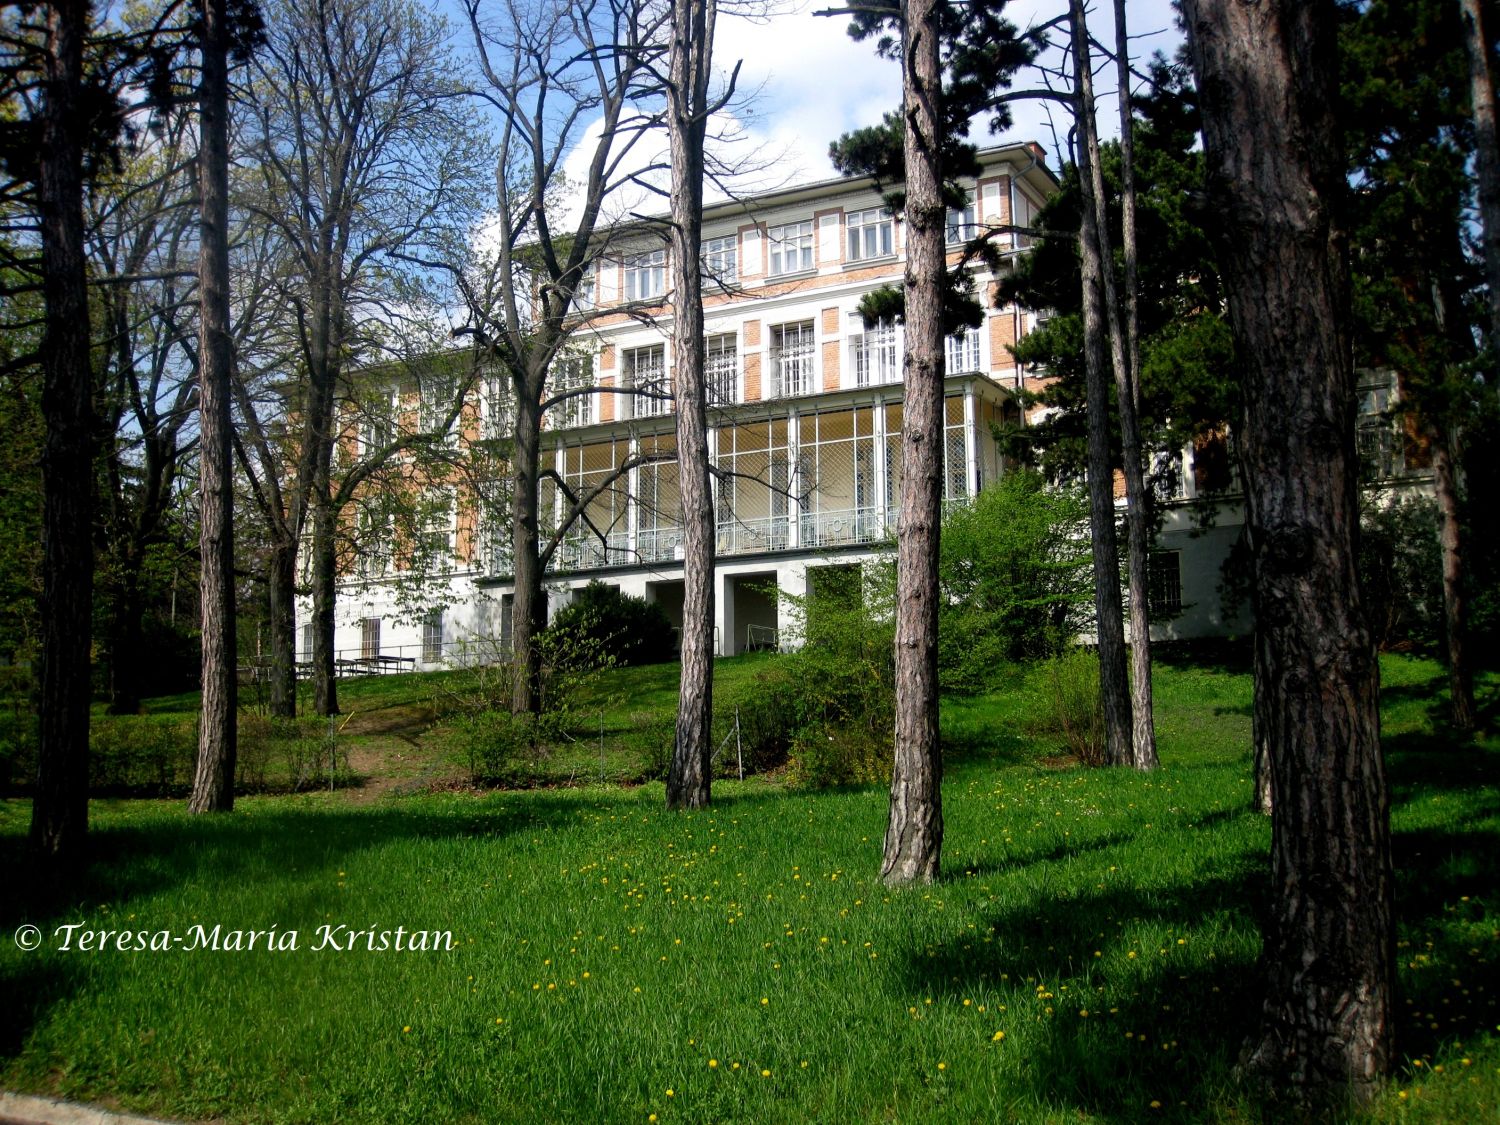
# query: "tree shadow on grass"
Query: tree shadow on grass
{"points": [[1448, 976]]}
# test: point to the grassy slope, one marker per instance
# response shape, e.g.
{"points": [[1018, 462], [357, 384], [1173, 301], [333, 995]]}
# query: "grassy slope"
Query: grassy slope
{"points": [[608, 952]]}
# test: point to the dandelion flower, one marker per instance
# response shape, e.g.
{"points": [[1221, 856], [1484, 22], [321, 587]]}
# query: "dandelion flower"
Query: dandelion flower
{"points": [[713, 1064], [765, 1074], [406, 1029], [999, 1035]]}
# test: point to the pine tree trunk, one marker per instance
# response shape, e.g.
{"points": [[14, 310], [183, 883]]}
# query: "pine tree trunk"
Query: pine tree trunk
{"points": [[1142, 709], [282, 579], [1114, 688], [213, 782], [59, 809], [528, 609], [1486, 154], [1455, 607], [1268, 76], [689, 777], [914, 837]]}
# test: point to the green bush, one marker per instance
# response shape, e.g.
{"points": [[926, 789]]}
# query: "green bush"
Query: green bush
{"points": [[497, 744], [600, 620], [1015, 578], [1071, 709], [1400, 571], [131, 753]]}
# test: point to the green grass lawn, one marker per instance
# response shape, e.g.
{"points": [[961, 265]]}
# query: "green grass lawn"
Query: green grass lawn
{"points": [[1088, 955]]}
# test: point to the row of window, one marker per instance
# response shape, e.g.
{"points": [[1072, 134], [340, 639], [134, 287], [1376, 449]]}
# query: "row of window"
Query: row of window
{"points": [[792, 369], [869, 235]]}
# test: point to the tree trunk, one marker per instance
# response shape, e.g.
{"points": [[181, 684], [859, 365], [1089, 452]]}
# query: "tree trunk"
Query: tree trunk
{"points": [[689, 777], [914, 837], [1114, 689], [324, 598], [127, 611], [1143, 727], [528, 609], [281, 578], [1263, 799], [1486, 155], [59, 810], [1268, 73], [1455, 607], [213, 782]]}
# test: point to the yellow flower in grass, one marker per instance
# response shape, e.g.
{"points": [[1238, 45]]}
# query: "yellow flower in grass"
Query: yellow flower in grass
{"points": [[713, 1064], [999, 1035]]}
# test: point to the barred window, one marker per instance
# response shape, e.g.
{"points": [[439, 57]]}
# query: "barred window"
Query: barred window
{"points": [[722, 369], [793, 359], [1164, 583], [876, 354], [646, 370]]}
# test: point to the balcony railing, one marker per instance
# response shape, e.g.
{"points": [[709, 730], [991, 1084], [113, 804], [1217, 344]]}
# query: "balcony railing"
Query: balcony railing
{"points": [[841, 528], [738, 537]]}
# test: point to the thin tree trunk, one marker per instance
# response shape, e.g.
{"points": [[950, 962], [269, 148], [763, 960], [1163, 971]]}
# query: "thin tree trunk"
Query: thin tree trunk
{"points": [[213, 782], [324, 597], [1268, 76], [1486, 154], [1262, 726], [689, 776], [127, 611], [1455, 607], [281, 579], [1114, 689], [528, 610], [1143, 721], [914, 837], [59, 810]]}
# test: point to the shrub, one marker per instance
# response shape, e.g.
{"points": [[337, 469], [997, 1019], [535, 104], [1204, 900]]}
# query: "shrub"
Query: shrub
{"points": [[1015, 578], [131, 753], [1072, 709], [1400, 571], [601, 620]]}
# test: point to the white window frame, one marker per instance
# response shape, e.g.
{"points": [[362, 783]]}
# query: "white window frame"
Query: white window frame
{"points": [[963, 353], [721, 369], [871, 235], [432, 637], [720, 259], [441, 520], [434, 397], [646, 275], [791, 248], [875, 354], [794, 359], [963, 224], [572, 371], [646, 367]]}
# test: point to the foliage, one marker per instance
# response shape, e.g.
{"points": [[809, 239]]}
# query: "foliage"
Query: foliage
{"points": [[1400, 570], [841, 684], [1073, 710], [1015, 574], [979, 51], [600, 620], [1186, 386]]}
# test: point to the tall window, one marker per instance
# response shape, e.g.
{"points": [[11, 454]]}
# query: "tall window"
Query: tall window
{"points": [[436, 405], [377, 428], [646, 370], [432, 637], [1164, 581], [722, 369], [791, 248], [963, 225], [646, 276], [793, 359], [307, 642], [872, 234], [583, 291], [877, 354], [963, 351], [373, 542], [497, 411], [720, 260], [369, 638], [439, 531], [570, 372]]}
